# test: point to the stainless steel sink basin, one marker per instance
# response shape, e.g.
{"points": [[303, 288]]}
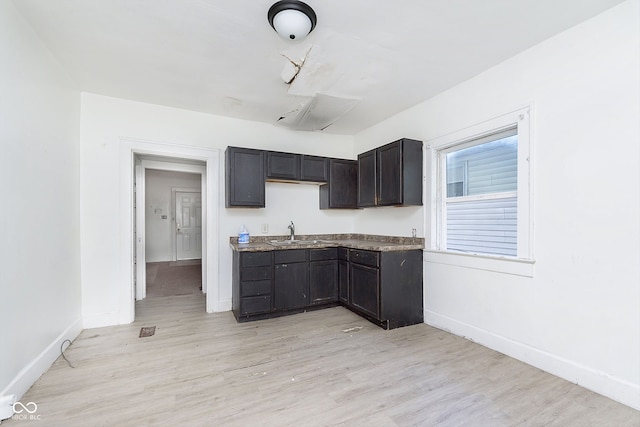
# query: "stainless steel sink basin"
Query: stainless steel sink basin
{"points": [[296, 242], [284, 242]]}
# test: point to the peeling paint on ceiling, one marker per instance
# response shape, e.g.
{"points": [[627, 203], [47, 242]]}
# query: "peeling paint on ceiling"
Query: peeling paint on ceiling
{"points": [[224, 58], [317, 113]]}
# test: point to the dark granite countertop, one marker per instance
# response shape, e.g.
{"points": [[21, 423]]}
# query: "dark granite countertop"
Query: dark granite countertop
{"points": [[310, 241]]}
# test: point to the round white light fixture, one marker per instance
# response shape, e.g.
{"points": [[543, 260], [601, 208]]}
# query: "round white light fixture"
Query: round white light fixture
{"points": [[292, 20]]}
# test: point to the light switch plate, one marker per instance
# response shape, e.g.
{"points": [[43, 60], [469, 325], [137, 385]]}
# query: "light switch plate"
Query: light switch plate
{"points": [[265, 228]]}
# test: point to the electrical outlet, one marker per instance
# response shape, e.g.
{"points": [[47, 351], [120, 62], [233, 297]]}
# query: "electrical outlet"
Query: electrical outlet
{"points": [[265, 228], [414, 232]]}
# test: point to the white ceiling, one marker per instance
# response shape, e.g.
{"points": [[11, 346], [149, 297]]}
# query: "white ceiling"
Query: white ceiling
{"points": [[222, 57]]}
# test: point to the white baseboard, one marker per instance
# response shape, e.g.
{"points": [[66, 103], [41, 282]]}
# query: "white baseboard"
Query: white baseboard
{"points": [[223, 305], [90, 321], [38, 366], [600, 382]]}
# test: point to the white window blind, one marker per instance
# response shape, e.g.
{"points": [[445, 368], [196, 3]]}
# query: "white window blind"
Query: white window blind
{"points": [[483, 226]]}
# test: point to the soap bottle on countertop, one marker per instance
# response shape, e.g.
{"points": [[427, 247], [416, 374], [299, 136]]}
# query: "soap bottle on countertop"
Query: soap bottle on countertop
{"points": [[243, 235]]}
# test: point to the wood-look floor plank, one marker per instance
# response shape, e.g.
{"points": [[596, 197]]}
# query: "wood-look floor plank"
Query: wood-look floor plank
{"points": [[322, 368]]}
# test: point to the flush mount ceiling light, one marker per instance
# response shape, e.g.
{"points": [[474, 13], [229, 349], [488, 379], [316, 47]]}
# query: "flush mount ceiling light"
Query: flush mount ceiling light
{"points": [[292, 20]]}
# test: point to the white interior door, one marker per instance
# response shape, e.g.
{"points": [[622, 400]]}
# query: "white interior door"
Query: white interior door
{"points": [[188, 225]]}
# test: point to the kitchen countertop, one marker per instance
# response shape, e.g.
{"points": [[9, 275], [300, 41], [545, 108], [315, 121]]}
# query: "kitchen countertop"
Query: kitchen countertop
{"points": [[353, 241]]}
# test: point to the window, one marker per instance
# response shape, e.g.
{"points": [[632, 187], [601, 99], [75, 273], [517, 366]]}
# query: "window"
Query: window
{"points": [[481, 195], [483, 190]]}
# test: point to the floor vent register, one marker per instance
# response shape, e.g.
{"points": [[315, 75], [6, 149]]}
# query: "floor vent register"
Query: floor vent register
{"points": [[148, 331]]}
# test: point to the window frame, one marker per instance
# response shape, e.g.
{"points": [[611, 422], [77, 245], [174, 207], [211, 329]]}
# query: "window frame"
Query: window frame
{"points": [[523, 262]]}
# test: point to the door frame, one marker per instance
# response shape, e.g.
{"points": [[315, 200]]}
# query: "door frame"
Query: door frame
{"points": [[130, 247], [140, 184]]}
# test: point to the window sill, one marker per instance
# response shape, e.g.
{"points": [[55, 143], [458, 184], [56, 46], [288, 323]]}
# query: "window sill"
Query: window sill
{"points": [[517, 267]]}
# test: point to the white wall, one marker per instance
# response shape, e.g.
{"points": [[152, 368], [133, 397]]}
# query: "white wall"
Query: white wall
{"points": [[105, 120], [579, 315], [39, 222], [158, 186]]}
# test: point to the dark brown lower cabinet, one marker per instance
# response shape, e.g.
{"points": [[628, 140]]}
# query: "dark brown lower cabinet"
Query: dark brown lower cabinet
{"points": [[343, 275], [384, 287], [343, 281], [365, 289], [252, 278], [290, 279], [323, 275], [323, 283]]}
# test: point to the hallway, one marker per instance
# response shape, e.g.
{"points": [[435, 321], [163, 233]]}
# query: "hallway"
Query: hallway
{"points": [[174, 278]]}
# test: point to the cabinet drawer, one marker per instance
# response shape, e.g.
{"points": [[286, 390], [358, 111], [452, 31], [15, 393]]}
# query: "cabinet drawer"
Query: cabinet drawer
{"points": [[258, 287], [323, 254], [255, 259], [369, 258], [252, 305], [256, 273], [343, 253], [289, 256]]}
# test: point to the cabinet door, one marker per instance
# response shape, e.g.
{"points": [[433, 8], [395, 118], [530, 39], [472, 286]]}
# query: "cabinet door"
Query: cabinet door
{"points": [[389, 176], [291, 285], [283, 166], [244, 181], [323, 281], [343, 281], [342, 190], [367, 179], [364, 287], [411, 172], [313, 168]]}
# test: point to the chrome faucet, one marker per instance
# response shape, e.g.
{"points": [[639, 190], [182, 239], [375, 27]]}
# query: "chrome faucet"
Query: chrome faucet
{"points": [[292, 228]]}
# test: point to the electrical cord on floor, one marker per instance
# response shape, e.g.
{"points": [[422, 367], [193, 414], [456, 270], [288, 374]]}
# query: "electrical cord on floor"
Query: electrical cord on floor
{"points": [[62, 352]]}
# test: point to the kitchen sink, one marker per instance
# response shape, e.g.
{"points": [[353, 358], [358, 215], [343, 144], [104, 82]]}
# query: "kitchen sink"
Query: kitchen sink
{"points": [[284, 242], [297, 242]]}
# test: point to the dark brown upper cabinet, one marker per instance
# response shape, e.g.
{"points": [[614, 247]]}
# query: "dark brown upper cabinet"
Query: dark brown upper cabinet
{"points": [[391, 175], [314, 168], [285, 166], [367, 179], [341, 191], [244, 178], [295, 167]]}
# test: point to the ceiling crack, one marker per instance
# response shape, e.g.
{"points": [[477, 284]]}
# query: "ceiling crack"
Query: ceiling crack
{"points": [[290, 75]]}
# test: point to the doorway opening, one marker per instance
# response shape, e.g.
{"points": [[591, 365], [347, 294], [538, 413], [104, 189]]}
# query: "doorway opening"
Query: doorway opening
{"points": [[173, 231], [135, 157]]}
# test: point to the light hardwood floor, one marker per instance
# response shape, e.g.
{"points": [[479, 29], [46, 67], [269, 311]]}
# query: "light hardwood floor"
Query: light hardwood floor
{"points": [[322, 368], [174, 278]]}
